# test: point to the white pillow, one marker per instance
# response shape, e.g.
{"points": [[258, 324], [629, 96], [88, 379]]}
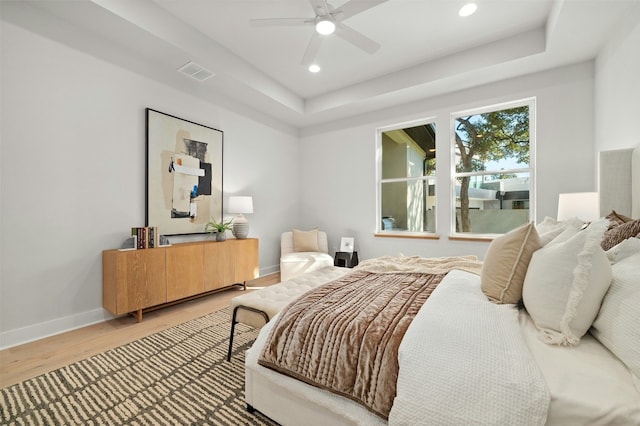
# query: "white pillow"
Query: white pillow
{"points": [[550, 228], [565, 284], [618, 323], [627, 248], [570, 227]]}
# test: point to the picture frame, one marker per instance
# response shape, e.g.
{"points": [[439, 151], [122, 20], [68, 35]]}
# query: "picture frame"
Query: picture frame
{"points": [[183, 174], [347, 244], [131, 243]]}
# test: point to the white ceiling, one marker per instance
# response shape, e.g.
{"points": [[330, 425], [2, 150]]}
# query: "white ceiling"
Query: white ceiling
{"points": [[426, 48]]}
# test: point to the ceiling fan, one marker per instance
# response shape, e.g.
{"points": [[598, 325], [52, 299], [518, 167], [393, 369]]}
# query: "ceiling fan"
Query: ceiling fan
{"points": [[327, 20]]}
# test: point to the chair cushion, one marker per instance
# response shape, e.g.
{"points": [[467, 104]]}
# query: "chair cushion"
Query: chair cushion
{"points": [[294, 264]]}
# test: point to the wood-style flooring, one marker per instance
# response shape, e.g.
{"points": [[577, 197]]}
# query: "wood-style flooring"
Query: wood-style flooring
{"points": [[32, 359]]}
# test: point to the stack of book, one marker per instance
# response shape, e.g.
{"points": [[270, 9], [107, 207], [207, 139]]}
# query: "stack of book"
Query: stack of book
{"points": [[146, 236]]}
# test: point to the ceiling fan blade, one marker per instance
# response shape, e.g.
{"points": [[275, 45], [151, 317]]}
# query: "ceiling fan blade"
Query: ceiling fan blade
{"points": [[319, 7], [353, 7], [312, 49], [280, 22], [356, 38]]}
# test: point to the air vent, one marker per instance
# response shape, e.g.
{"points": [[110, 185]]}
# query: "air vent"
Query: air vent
{"points": [[195, 71]]}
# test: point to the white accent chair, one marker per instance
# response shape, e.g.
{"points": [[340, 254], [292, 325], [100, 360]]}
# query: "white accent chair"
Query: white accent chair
{"points": [[294, 263], [256, 308]]}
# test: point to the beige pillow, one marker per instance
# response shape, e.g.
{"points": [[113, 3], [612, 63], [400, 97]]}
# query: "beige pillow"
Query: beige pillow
{"points": [[305, 240], [565, 285], [505, 264]]}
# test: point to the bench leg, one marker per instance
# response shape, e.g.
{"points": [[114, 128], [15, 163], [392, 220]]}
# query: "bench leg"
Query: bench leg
{"points": [[234, 322]]}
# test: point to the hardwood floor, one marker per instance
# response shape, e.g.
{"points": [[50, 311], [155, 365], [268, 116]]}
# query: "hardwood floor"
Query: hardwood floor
{"points": [[32, 359]]}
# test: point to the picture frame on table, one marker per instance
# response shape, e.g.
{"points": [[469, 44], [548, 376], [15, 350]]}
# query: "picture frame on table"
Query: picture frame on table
{"points": [[131, 243], [347, 244]]}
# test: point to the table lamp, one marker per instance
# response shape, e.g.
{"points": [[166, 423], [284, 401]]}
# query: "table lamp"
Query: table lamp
{"points": [[583, 205], [240, 206]]}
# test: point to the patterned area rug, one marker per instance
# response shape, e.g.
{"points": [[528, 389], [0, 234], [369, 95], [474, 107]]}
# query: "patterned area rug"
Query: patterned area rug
{"points": [[177, 376]]}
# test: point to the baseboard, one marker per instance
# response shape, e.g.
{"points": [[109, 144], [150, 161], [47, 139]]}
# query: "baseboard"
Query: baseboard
{"points": [[45, 329], [269, 270], [41, 330]]}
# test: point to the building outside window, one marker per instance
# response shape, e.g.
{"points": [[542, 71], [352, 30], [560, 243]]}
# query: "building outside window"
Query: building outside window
{"points": [[406, 178], [493, 168]]}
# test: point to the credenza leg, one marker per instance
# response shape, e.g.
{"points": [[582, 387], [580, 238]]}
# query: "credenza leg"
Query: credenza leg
{"points": [[139, 315]]}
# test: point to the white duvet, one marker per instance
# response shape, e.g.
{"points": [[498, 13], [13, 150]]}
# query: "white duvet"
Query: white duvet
{"points": [[462, 361]]}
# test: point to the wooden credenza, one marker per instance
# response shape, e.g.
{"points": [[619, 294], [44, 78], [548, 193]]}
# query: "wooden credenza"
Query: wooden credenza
{"points": [[139, 279]]}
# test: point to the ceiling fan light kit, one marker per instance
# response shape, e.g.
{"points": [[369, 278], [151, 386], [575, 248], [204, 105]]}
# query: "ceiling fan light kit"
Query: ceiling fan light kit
{"points": [[327, 20], [325, 26]]}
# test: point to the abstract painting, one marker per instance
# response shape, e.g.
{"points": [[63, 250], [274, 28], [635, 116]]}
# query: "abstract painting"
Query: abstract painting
{"points": [[184, 174]]}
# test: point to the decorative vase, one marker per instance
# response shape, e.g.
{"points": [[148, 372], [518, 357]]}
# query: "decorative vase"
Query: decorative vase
{"points": [[221, 236], [240, 227]]}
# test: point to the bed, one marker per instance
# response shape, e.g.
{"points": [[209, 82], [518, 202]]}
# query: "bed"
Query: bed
{"points": [[467, 360]]}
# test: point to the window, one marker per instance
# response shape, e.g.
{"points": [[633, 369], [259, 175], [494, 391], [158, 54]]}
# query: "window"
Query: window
{"points": [[406, 178], [493, 173]]}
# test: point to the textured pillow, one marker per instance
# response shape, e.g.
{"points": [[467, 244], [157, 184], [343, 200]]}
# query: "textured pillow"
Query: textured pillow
{"points": [[305, 240], [616, 219], [619, 233], [571, 227], [550, 228], [565, 284], [505, 264], [617, 324]]}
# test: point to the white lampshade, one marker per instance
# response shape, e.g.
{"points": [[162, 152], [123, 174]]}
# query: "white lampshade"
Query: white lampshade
{"points": [[240, 204], [583, 205]]}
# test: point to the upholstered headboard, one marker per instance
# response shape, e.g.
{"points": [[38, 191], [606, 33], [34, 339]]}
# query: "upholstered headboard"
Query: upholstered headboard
{"points": [[619, 182]]}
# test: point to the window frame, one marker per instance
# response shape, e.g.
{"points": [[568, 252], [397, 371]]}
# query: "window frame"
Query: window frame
{"points": [[379, 232], [529, 102]]}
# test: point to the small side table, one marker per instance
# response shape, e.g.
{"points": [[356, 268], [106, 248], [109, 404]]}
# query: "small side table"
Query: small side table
{"points": [[345, 259]]}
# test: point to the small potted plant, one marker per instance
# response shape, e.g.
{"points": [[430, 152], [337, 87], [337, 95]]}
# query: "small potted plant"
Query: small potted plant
{"points": [[218, 228]]}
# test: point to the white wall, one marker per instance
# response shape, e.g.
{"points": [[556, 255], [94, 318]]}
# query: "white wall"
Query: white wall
{"points": [[72, 166], [338, 183], [73, 177], [617, 88]]}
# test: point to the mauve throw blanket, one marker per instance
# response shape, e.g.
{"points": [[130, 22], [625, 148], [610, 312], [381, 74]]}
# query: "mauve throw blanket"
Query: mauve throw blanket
{"points": [[344, 336]]}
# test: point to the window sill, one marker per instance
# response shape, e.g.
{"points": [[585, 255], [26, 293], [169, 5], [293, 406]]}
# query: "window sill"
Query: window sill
{"points": [[478, 238], [407, 235]]}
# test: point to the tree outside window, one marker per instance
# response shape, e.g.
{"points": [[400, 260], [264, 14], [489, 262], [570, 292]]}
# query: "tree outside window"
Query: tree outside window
{"points": [[493, 176]]}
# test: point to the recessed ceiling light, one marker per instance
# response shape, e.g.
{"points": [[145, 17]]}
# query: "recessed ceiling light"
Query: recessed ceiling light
{"points": [[314, 68], [468, 9], [325, 26]]}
